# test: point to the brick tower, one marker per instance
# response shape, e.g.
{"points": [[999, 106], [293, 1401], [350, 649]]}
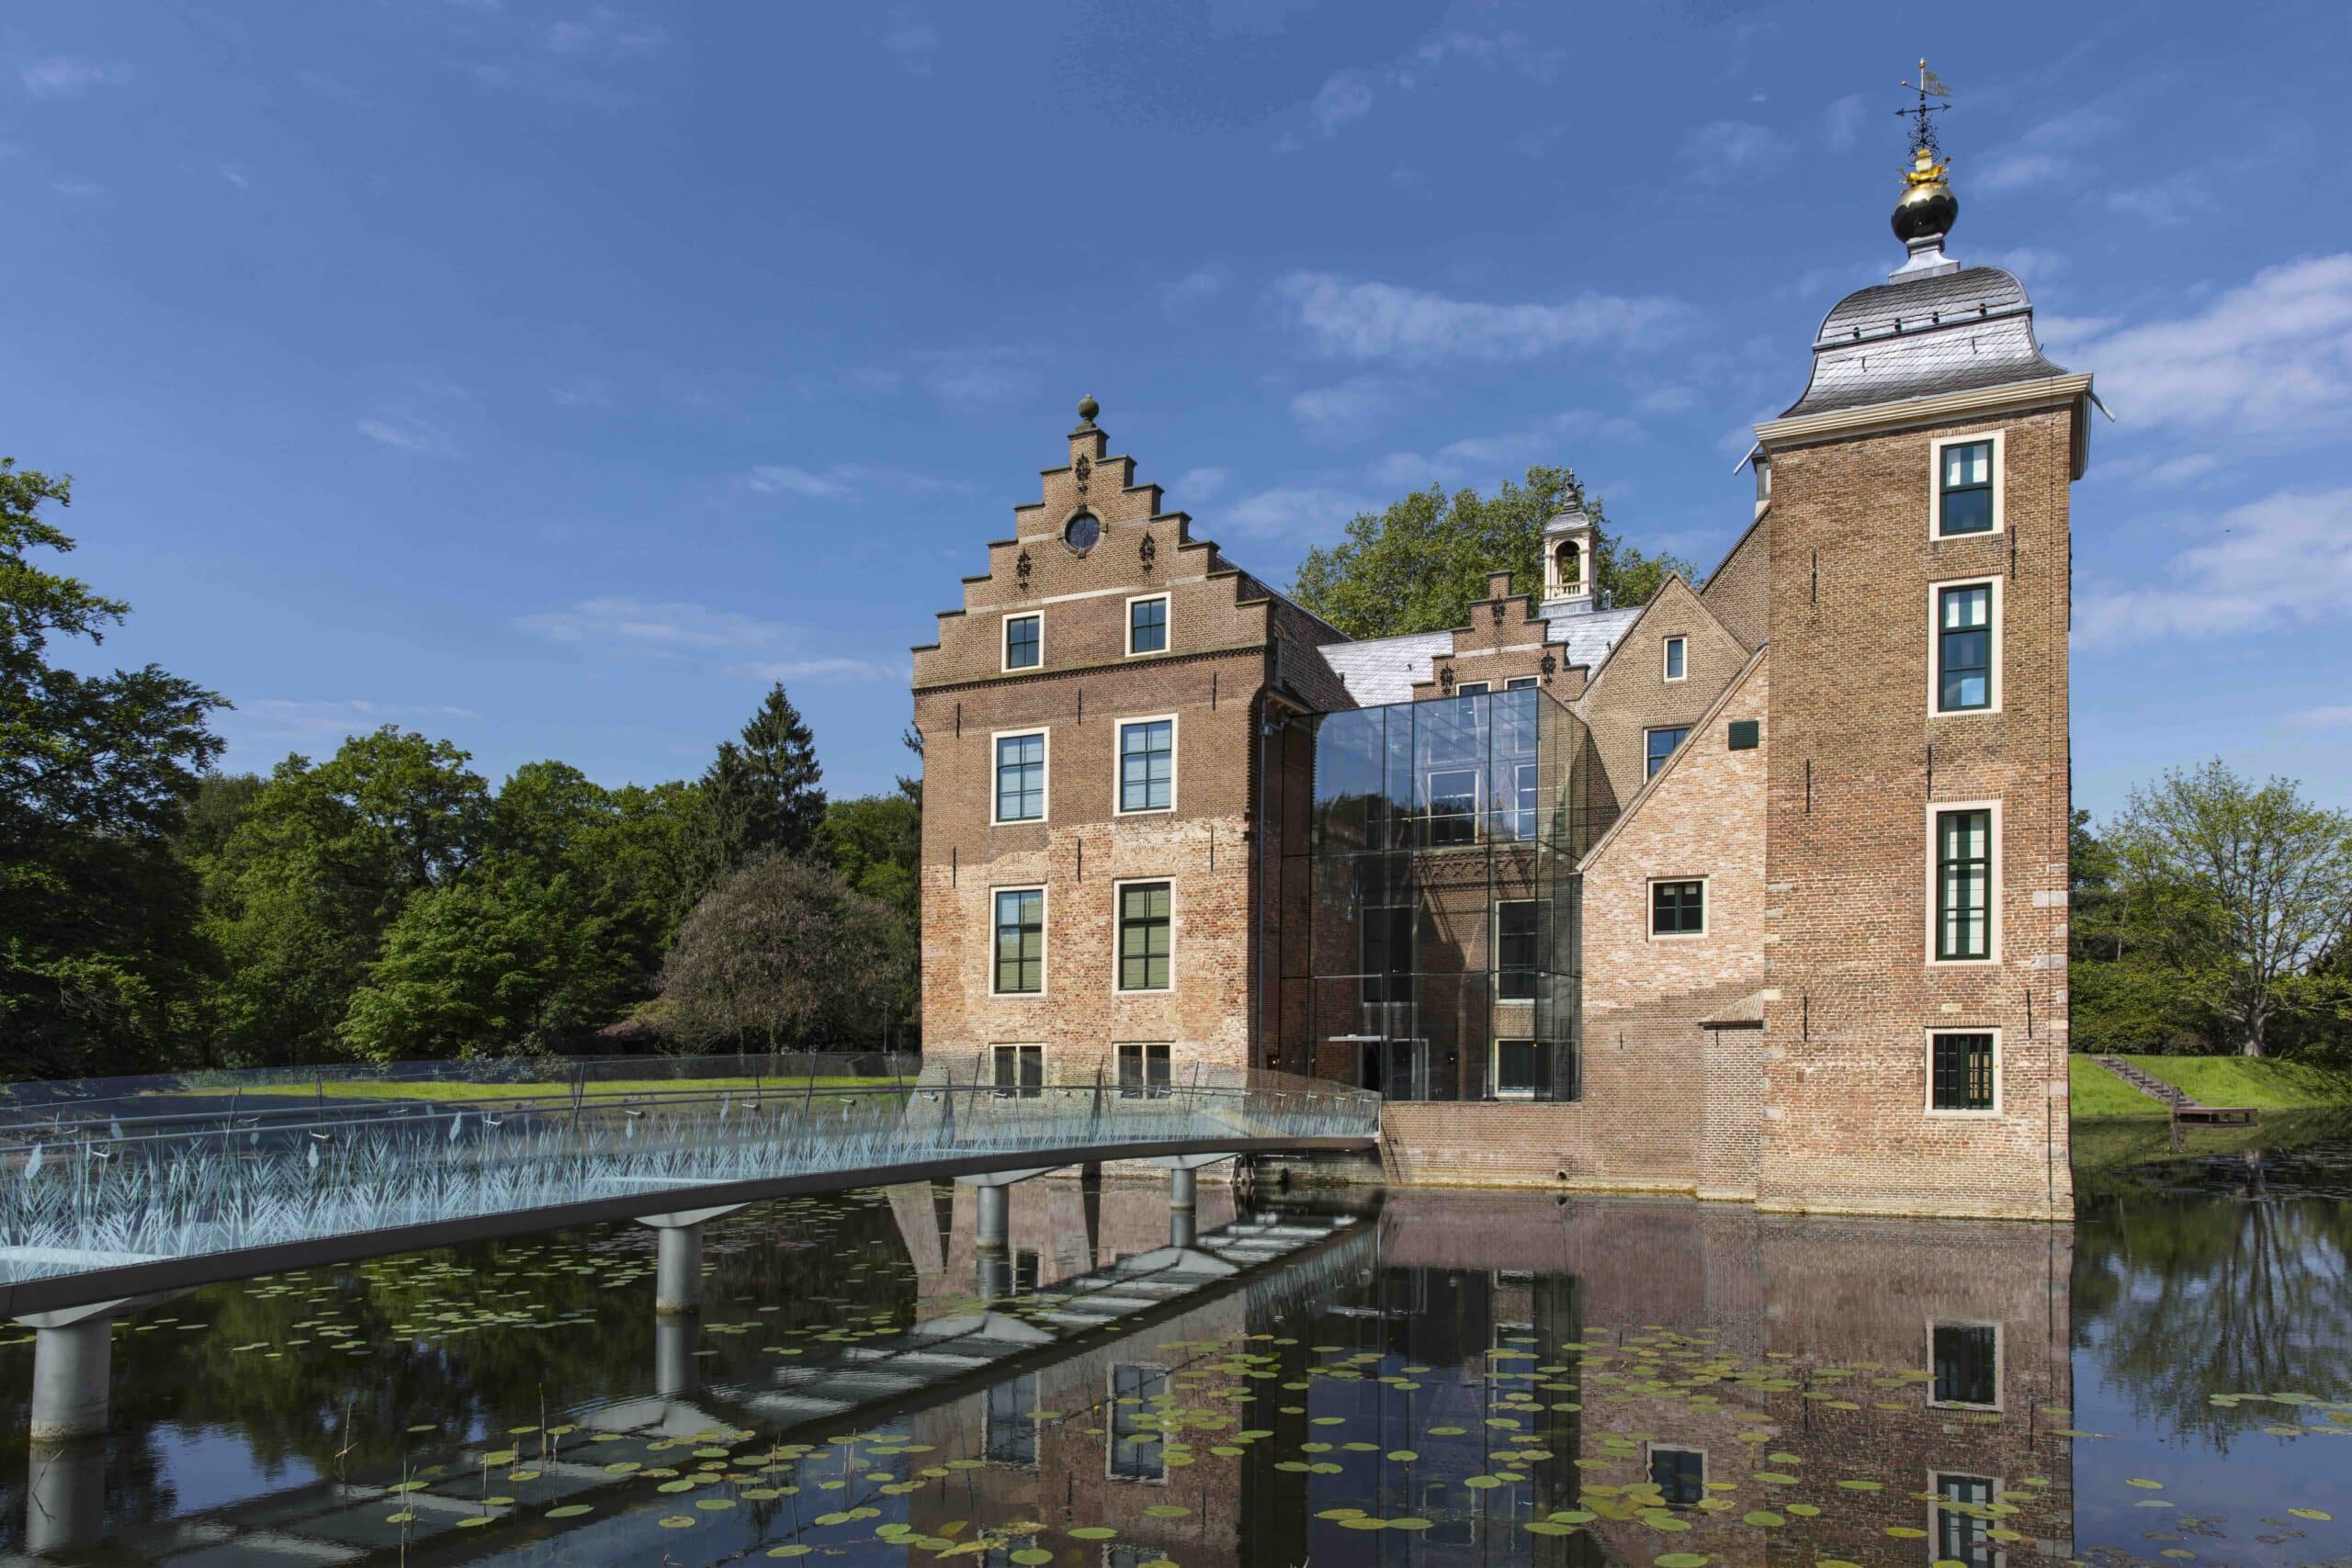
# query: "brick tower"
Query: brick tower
{"points": [[1919, 798]]}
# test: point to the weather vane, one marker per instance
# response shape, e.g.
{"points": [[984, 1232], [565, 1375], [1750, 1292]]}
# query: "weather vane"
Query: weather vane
{"points": [[1923, 130]]}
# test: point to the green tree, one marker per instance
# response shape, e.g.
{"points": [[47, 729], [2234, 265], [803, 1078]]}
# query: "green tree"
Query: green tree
{"points": [[874, 843], [323, 861], [495, 963], [782, 955], [761, 797], [2127, 948], [1419, 565], [2249, 890], [100, 970]]}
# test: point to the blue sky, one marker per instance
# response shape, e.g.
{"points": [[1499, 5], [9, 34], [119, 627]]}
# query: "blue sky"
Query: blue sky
{"points": [[552, 375]]}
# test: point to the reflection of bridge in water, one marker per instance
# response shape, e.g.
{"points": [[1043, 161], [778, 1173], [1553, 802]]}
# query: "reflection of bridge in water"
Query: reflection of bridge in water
{"points": [[1256, 1269], [121, 1191]]}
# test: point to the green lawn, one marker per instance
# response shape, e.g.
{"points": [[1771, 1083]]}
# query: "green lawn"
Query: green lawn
{"points": [[2262, 1084]]}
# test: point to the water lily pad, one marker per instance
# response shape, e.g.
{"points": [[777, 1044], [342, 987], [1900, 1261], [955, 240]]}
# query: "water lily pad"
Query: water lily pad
{"points": [[2320, 1514], [1680, 1560], [1093, 1532], [569, 1511]]}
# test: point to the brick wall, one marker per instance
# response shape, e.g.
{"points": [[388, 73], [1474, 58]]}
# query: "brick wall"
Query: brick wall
{"points": [[1629, 694], [1740, 591]]}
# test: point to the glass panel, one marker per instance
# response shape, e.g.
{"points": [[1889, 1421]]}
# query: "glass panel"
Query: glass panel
{"points": [[1143, 936], [1515, 949], [1678, 908], [1020, 778], [1147, 626], [1662, 743], [1967, 1361], [1133, 1432], [1963, 884], [1517, 1075]]}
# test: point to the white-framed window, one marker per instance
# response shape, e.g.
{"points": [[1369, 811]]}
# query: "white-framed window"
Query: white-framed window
{"points": [[1964, 646], [1676, 654], [1963, 882], [1964, 1360], [1145, 958], [1146, 765], [1472, 689], [1962, 1533], [1018, 1071], [1146, 624], [1964, 485], [1024, 641], [1678, 906], [1519, 683], [1017, 945], [1963, 1072], [1131, 1435], [1658, 746], [1144, 1069], [1021, 760], [1679, 1474], [1518, 1064]]}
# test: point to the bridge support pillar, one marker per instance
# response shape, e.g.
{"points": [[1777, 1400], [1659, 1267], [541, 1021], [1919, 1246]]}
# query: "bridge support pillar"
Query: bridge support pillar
{"points": [[677, 1259], [72, 1362], [1183, 1208], [992, 1236]]}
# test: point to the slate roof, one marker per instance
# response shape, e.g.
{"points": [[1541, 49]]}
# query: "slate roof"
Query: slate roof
{"points": [[1385, 670], [1918, 337]]}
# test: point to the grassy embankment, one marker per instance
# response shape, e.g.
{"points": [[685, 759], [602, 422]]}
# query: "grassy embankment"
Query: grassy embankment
{"points": [[2259, 1083]]}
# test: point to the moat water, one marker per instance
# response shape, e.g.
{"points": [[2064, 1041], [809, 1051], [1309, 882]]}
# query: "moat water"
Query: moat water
{"points": [[1432, 1378]]}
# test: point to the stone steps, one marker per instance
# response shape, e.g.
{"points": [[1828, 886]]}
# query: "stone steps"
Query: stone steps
{"points": [[2149, 1083]]}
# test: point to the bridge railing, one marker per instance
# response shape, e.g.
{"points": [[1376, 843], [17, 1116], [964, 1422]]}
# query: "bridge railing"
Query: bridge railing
{"points": [[109, 1173]]}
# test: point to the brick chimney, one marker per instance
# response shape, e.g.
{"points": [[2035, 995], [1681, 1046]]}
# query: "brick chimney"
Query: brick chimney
{"points": [[1498, 585]]}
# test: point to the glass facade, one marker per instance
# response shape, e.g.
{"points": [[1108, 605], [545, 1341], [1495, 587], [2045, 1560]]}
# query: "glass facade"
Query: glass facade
{"points": [[1426, 934]]}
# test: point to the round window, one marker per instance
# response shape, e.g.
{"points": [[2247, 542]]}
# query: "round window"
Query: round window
{"points": [[1080, 532]]}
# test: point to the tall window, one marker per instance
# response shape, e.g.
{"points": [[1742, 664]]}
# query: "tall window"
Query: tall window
{"points": [[1024, 641], [1148, 624], [1681, 1475], [1662, 743], [1012, 1433], [1142, 1072], [1147, 765], [1964, 648], [1964, 489], [1678, 657], [1021, 777], [1967, 1359], [1453, 805], [1020, 940], [1142, 936], [1386, 934], [1020, 1070], [1678, 908], [1134, 1435], [1960, 1072], [1526, 802], [1964, 884], [1515, 926], [1963, 1534], [1569, 565]]}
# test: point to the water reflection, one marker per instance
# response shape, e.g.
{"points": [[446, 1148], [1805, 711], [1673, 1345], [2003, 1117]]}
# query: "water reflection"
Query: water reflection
{"points": [[1448, 1377]]}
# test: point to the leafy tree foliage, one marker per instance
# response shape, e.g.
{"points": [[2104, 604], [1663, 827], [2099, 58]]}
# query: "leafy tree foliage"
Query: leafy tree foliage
{"points": [[100, 967], [1419, 565], [782, 954], [875, 843], [2223, 916]]}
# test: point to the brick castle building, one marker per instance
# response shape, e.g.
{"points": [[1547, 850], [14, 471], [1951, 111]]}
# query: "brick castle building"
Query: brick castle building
{"points": [[1755, 891]]}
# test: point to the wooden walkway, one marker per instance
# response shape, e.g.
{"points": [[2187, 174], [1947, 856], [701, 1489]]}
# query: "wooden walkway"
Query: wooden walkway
{"points": [[2183, 1106]]}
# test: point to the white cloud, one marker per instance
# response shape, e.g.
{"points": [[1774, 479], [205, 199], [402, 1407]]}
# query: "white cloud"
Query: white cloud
{"points": [[666, 628], [978, 380], [236, 176], [1841, 122], [1197, 284], [408, 434], [603, 32], [826, 672], [2013, 171], [2270, 357], [2286, 558], [1666, 400], [1498, 454], [311, 721], [912, 41], [59, 77], [1294, 512], [2033, 265], [2168, 204], [2046, 153], [1377, 320], [2183, 470], [2322, 718], [1343, 97], [843, 482], [1196, 485], [1343, 408], [1728, 148]]}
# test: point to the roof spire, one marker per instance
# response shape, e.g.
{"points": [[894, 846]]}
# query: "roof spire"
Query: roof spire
{"points": [[1924, 214]]}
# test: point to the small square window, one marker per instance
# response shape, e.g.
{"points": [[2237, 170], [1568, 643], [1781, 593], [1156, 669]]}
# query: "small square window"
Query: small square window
{"points": [[1967, 1359], [1024, 641], [1520, 683], [1020, 1071], [1471, 689], [1679, 908], [1142, 1072], [1678, 656], [1964, 488], [1961, 1071], [1148, 624], [1661, 745], [1679, 1474], [1744, 734]]}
